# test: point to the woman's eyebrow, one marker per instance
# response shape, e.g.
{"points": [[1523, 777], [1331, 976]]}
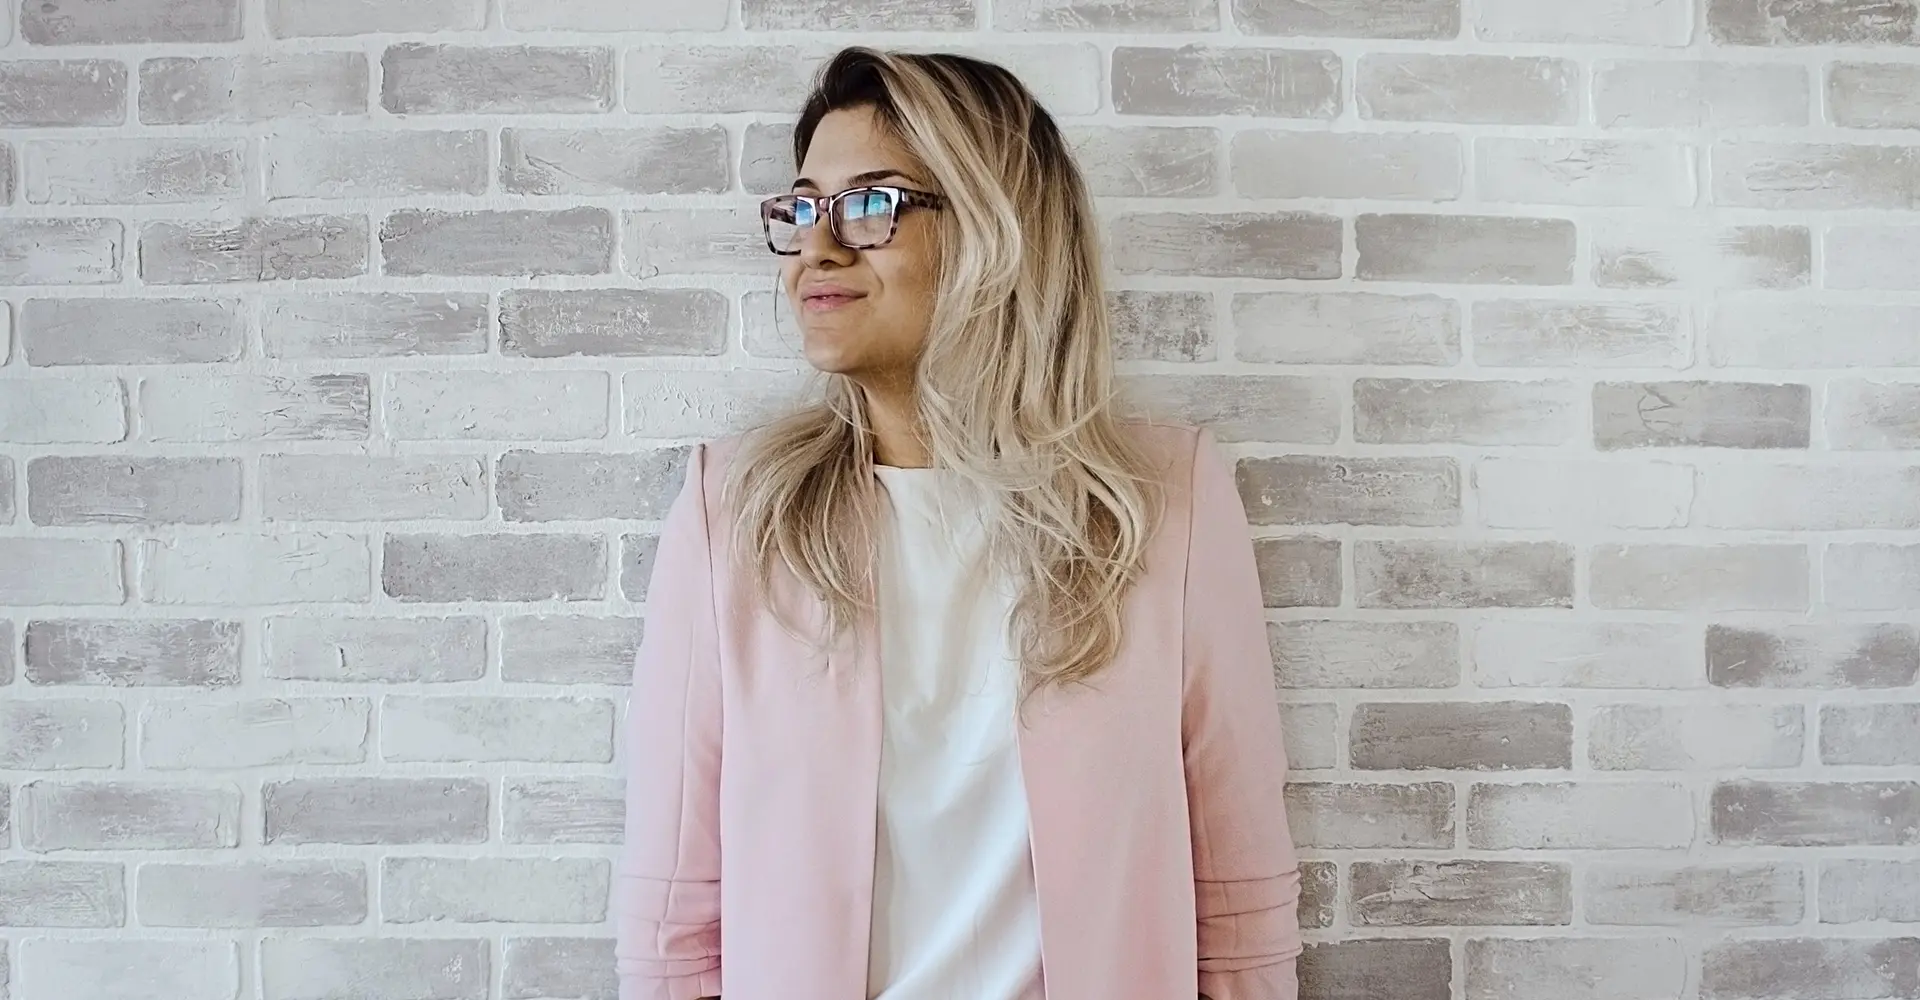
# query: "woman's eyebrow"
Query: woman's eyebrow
{"points": [[856, 180]]}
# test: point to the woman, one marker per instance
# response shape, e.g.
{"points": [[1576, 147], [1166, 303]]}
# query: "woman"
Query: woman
{"points": [[960, 680]]}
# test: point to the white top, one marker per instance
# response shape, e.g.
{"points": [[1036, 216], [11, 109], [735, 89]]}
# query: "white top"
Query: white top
{"points": [[954, 911]]}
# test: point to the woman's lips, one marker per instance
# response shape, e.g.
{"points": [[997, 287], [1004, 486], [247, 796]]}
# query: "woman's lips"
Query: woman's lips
{"points": [[822, 303]]}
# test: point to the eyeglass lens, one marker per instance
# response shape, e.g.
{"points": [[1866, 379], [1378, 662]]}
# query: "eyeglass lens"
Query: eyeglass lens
{"points": [[862, 219]]}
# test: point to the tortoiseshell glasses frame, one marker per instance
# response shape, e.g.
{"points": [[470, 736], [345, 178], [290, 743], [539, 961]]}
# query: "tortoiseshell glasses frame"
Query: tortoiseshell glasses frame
{"points": [[786, 217]]}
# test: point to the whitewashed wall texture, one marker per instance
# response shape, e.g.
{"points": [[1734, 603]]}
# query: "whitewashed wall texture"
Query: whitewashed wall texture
{"points": [[1570, 351]]}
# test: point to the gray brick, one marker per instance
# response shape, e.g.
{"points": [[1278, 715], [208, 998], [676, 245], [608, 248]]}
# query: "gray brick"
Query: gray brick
{"points": [[1872, 576], [1319, 895], [254, 570], [375, 811], [131, 331], [515, 242], [262, 732], [662, 404], [1816, 177], [60, 571], [129, 969], [294, 18], [1556, 654], [7, 642], [494, 567], [1298, 572], [1365, 654], [1326, 489], [107, 489], [280, 893], [1819, 497], [62, 894], [583, 486], [423, 650], [494, 890], [1601, 172], [482, 405], [1698, 895], [612, 15], [1479, 411], [60, 251], [1428, 19], [1873, 257], [1103, 15], [374, 324], [1228, 244], [1465, 249], [858, 15], [423, 79], [1828, 22], [1440, 574], [766, 159], [242, 407], [1325, 815], [1246, 407], [1162, 326], [1342, 328], [9, 173], [373, 488], [134, 652], [1882, 735], [1718, 95], [613, 322], [375, 164], [1696, 737], [1146, 161], [1359, 969], [1204, 80], [1873, 95], [719, 79], [614, 161], [1578, 493], [1399, 165], [318, 968], [252, 88], [1461, 893], [280, 248], [1827, 655], [637, 553], [1873, 415], [585, 810], [1614, 22], [693, 241], [1812, 968], [1651, 255], [540, 967], [1852, 891], [1588, 968], [517, 728], [1571, 816], [1312, 734], [569, 649], [1462, 736], [133, 171], [77, 22], [48, 93], [1812, 814], [49, 734], [1467, 89], [1701, 415], [1751, 577], [121, 815]]}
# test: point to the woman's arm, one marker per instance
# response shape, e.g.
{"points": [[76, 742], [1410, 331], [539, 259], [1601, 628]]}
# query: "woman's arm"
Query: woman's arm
{"points": [[667, 895], [1246, 877]]}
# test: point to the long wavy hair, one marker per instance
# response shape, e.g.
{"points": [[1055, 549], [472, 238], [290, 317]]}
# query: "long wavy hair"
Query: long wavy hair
{"points": [[1015, 387]]}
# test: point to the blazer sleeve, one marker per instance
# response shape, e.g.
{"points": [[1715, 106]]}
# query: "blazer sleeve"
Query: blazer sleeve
{"points": [[1246, 875], [667, 890]]}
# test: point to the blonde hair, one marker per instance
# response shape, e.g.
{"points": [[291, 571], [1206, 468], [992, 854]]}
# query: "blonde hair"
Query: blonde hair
{"points": [[1015, 386]]}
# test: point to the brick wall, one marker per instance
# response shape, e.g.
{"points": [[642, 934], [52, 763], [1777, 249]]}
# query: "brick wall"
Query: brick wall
{"points": [[1570, 350]]}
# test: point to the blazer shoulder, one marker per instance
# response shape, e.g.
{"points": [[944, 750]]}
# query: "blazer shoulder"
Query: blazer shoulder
{"points": [[1170, 445]]}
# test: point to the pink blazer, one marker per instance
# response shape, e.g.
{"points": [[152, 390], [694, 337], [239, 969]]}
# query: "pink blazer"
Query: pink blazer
{"points": [[1161, 855]]}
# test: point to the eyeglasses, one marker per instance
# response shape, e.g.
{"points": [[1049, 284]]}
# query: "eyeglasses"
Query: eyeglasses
{"points": [[859, 218]]}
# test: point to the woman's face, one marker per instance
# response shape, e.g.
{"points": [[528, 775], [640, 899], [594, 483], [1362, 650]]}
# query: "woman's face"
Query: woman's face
{"points": [[874, 328]]}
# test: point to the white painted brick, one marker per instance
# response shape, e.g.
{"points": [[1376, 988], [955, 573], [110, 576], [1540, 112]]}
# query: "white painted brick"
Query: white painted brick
{"points": [[61, 251], [1402, 165], [1769, 332], [1733, 577], [1651, 253], [1696, 737], [1584, 172], [309, 967], [60, 571], [62, 894], [129, 969], [1537, 654], [692, 404], [694, 241], [131, 21], [1873, 95], [62, 411], [479, 405], [128, 815], [1618, 22], [248, 570], [293, 18], [280, 893], [375, 164], [1816, 176], [489, 729], [1873, 415], [1147, 161], [252, 88], [390, 650], [1542, 332], [1346, 328], [52, 734], [1247, 407], [1592, 815], [495, 890], [1584, 968], [243, 407], [612, 15], [1579, 494], [1629, 93], [374, 324], [1798, 497], [1869, 576], [1873, 257], [1697, 895], [133, 171], [264, 732], [350, 488]]}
